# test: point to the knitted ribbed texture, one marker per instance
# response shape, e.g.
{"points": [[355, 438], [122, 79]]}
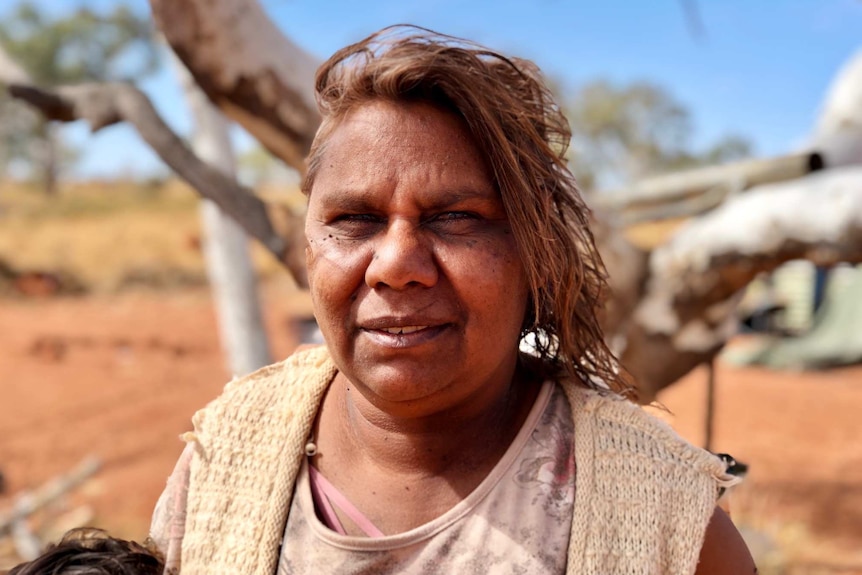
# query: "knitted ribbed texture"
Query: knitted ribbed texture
{"points": [[249, 447], [643, 495]]}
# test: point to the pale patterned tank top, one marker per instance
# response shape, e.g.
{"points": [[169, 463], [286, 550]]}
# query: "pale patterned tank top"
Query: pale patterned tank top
{"points": [[517, 521]]}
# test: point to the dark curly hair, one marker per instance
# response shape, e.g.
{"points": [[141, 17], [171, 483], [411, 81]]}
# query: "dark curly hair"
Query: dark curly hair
{"points": [[523, 135], [89, 551]]}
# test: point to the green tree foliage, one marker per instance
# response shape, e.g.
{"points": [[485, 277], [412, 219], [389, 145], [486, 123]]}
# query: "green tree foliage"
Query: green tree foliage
{"points": [[82, 46], [622, 133]]}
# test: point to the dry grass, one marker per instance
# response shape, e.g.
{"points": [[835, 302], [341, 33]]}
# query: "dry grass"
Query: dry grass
{"points": [[109, 236]]}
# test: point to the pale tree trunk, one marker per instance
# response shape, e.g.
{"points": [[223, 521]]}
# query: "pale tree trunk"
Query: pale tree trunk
{"points": [[48, 164], [10, 71], [225, 244]]}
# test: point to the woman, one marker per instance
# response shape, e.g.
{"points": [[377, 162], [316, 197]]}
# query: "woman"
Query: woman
{"points": [[443, 228]]}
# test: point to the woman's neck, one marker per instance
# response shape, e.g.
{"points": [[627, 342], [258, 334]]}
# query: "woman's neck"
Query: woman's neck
{"points": [[401, 471], [470, 436]]}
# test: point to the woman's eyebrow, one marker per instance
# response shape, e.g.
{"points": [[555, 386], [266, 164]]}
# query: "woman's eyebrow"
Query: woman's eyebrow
{"points": [[355, 200], [349, 200], [456, 196]]}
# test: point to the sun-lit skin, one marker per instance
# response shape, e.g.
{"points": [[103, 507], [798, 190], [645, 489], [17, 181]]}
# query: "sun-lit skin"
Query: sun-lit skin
{"points": [[420, 293], [407, 233]]}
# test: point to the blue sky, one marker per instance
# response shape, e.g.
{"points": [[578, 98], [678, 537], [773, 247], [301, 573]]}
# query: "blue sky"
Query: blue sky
{"points": [[761, 69]]}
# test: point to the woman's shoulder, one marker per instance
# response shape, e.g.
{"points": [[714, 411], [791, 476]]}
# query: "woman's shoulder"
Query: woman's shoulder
{"points": [[638, 480], [307, 371], [308, 363], [619, 426]]}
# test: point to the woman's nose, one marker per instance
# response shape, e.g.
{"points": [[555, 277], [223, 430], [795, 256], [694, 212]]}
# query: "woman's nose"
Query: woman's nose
{"points": [[402, 258]]}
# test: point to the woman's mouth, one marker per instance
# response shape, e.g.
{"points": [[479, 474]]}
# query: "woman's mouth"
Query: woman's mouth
{"points": [[404, 329], [404, 336]]}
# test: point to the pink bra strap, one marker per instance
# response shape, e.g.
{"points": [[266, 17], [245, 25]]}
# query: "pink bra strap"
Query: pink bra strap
{"points": [[321, 502], [326, 494]]}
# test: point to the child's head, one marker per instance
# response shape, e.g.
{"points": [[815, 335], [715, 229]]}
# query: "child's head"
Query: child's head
{"points": [[90, 551]]}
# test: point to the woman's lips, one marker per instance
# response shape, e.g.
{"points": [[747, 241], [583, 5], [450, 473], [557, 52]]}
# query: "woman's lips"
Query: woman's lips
{"points": [[402, 336]]}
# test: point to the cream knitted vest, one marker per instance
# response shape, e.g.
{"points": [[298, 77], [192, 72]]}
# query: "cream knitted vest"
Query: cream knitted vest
{"points": [[643, 495]]}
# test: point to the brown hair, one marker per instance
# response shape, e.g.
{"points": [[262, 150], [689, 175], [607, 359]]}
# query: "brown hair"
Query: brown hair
{"points": [[89, 551], [524, 136]]}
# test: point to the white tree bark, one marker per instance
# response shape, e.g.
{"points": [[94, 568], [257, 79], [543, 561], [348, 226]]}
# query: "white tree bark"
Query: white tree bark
{"points": [[842, 107], [838, 134], [225, 244], [686, 312]]}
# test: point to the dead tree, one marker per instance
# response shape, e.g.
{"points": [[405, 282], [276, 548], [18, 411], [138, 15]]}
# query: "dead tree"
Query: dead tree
{"points": [[672, 308]]}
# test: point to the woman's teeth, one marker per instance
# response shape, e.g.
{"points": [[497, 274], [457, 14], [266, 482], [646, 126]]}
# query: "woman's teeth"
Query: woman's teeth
{"points": [[403, 330]]}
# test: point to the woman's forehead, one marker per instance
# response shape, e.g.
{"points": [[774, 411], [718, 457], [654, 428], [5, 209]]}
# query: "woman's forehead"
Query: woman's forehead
{"points": [[383, 141], [394, 119]]}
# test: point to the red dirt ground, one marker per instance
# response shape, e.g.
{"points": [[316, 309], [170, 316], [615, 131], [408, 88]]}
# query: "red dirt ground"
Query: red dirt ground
{"points": [[119, 377]]}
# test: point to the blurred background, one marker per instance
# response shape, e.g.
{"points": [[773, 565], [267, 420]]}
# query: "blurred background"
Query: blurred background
{"points": [[720, 144]]}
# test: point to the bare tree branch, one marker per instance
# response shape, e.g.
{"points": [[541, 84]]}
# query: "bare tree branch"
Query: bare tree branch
{"points": [[687, 311], [102, 105], [693, 191], [248, 69], [818, 218], [49, 492]]}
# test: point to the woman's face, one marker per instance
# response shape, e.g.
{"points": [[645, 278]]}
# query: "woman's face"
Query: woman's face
{"points": [[416, 280]]}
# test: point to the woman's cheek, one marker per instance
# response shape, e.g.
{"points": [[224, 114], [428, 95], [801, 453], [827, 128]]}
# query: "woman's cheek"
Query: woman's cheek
{"points": [[336, 261], [330, 247], [486, 259]]}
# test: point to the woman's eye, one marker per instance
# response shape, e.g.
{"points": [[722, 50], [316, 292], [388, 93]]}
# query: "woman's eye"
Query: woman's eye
{"points": [[365, 218], [457, 223], [357, 224], [455, 216]]}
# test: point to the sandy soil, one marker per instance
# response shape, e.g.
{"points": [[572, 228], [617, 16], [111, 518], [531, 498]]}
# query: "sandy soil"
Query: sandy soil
{"points": [[119, 377]]}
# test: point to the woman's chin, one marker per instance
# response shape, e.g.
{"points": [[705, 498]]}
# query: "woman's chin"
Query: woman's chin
{"points": [[402, 389]]}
